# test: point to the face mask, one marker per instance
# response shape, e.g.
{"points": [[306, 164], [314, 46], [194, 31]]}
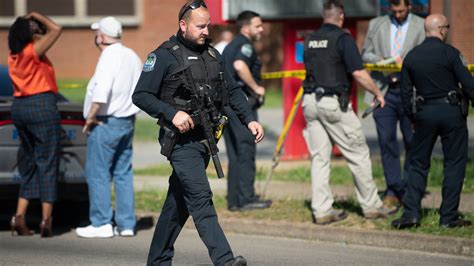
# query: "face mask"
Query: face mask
{"points": [[96, 42]]}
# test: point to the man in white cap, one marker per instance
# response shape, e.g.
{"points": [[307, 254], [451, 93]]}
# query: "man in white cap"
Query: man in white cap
{"points": [[110, 119]]}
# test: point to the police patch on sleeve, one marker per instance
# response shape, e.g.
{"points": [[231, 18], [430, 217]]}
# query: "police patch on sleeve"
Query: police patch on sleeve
{"points": [[247, 50], [149, 64]]}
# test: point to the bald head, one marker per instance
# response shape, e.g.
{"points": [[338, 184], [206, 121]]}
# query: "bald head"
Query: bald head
{"points": [[436, 25]]}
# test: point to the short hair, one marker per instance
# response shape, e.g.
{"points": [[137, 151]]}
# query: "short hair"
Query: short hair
{"points": [[332, 8], [184, 13], [245, 17], [398, 2], [330, 4], [20, 34]]}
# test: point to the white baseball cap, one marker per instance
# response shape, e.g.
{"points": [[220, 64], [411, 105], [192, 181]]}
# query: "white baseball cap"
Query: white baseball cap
{"points": [[108, 26]]}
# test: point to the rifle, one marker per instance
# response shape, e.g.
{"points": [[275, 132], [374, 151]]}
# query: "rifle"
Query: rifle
{"points": [[205, 114]]}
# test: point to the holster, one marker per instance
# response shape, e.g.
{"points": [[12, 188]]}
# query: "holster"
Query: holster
{"points": [[343, 99], [169, 138], [254, 100], [457, 98]]}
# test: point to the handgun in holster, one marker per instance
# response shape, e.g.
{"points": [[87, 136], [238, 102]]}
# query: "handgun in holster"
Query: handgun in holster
{"points": [[255, 100], [456, 97], [343, 99], [416, 102], [168, 139]]}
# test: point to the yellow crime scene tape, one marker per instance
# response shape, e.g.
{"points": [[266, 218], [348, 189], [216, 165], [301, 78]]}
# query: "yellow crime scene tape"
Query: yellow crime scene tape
{"points": [[300, 74], [371, 67]]}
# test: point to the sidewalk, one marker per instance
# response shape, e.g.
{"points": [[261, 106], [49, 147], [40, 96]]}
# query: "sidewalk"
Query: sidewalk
{"points": [[279, 190]]}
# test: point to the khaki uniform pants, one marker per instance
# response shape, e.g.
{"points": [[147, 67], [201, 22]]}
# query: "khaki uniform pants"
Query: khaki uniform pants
{"points": [[327, 124]]}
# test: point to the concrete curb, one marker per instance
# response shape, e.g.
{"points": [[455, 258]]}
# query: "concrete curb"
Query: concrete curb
{"points": [[346, 236], [392, 239]]}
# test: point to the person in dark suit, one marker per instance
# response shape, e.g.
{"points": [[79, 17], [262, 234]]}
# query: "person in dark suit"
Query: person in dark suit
{"points": [[389, 39], [431, 75]]}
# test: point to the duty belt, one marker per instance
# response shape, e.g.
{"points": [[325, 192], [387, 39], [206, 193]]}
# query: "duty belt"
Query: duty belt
{"points": [[442, 100]]}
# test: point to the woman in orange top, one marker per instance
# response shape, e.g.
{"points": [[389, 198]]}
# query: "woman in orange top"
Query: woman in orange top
{"points": [[35, 115]]}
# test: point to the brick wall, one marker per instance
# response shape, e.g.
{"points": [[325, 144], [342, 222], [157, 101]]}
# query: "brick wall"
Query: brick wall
{"points": [[75, 56]]}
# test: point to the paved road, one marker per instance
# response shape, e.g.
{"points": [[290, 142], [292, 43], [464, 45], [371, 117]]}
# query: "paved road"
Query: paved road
{"points": [[68, 249], [148, 153]]}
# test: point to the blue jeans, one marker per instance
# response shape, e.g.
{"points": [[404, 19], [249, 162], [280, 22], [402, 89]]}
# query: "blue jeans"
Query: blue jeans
{"points": [[109, 156]]}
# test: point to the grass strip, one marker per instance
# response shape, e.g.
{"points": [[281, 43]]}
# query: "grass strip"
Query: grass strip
{"points": [[300, 211], [340, 174]]}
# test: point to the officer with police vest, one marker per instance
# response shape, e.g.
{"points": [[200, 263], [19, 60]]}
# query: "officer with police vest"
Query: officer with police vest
{"points": [[432, 99], [331, 60], [162, 91]]}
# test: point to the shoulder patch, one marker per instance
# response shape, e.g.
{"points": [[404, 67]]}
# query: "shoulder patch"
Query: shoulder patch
{"points": [[211, 53], [149, 64], [247, 50]]}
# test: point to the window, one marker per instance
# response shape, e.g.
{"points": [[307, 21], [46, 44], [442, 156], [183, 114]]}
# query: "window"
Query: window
{"points": [[6, 8], [105, 7], [51, 7], [73, 13]]}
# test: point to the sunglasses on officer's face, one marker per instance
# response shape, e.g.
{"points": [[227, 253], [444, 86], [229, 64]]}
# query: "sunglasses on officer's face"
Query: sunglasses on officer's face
{"points": [[192, 6], [444, 26]]}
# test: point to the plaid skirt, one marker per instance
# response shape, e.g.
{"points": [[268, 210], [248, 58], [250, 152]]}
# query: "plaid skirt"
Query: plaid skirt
{"points": [[37, 120]]}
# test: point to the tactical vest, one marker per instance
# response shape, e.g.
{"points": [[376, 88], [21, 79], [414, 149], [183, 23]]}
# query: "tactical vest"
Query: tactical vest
{"points": [[324, 66], [206, 70]]}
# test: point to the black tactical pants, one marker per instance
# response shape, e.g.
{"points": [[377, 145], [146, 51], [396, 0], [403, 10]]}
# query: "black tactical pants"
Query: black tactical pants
{"points": [[241, 149], [189, 193], [446, 121]]}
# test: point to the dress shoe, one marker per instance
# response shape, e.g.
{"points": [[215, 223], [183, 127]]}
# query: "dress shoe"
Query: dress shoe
{"points": [[237, 261], [457, 223], [381, 212], [255, 205], [18, 225], [46, 227], [334, 216], [405, 222]]}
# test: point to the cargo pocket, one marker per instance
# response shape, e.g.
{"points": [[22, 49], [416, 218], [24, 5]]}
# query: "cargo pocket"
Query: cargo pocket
{"points": [[309, 107], [355, 135], [329, 108]]}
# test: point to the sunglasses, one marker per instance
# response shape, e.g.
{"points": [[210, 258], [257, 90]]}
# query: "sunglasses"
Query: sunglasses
{"points": [[444, 26], [192, 6]]}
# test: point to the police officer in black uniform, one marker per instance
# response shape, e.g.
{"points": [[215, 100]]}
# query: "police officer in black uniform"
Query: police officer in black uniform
{"points": [[244, 64], [437, 107], [162, 92]]}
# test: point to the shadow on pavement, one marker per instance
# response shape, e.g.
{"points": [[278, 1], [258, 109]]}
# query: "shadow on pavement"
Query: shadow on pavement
{"points": [[67, 215]]}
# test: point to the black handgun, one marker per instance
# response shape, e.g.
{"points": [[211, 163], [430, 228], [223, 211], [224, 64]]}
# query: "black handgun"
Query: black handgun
{"points": [[371, 109]]}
